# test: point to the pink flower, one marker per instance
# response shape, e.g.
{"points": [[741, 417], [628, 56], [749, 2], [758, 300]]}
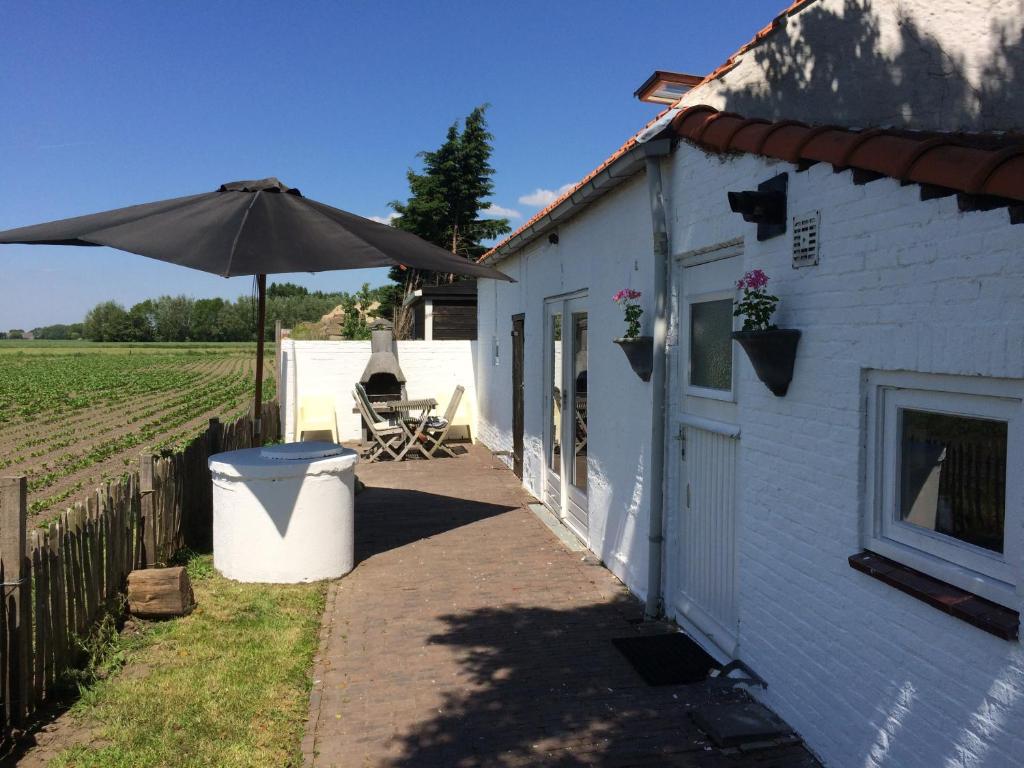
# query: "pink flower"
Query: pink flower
{"points": [[626, 294], [754, 279]]}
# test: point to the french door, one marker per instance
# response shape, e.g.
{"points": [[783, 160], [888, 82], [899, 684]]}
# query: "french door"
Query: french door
{"points": [[703, 554], [565, 408]]}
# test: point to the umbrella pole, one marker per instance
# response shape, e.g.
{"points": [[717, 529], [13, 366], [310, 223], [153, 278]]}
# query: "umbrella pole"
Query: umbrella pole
{"points": [[261, 324]]}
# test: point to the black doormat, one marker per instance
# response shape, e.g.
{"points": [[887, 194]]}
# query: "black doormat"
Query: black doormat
{"points": [[669, 659]]}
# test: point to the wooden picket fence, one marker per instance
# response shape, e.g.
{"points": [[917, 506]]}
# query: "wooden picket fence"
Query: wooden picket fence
{"points": [[59, 581]]}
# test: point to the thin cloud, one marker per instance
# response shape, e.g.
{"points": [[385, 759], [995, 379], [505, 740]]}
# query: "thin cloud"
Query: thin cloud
{"points": [[500, 212], [541, 197], [384, 219]]}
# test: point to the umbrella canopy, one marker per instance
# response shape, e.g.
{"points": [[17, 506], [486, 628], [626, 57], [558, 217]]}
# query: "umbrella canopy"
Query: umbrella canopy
{"points": [[250, 228], [257, 228]]}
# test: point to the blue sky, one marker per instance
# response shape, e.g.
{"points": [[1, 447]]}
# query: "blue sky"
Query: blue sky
{"points": [[109, 104]]}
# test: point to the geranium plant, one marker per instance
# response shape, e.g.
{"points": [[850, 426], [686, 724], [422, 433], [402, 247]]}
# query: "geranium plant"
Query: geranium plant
{"points": [[756, 306], [627, 298]]}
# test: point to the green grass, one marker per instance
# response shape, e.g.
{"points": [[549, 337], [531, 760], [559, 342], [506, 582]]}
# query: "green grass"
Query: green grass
{"points": [[226, 686]]}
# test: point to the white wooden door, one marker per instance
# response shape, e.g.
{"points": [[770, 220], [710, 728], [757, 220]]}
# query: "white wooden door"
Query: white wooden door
{"points": [[703, 581], [565, 444]]}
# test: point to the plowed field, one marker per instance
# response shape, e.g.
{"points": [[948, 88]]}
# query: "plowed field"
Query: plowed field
{"points": [[74, 415]]}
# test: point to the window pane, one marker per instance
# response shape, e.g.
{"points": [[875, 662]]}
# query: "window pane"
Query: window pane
{"points": [[953, 476], [579, 377], [711, 344], [555, 457]]}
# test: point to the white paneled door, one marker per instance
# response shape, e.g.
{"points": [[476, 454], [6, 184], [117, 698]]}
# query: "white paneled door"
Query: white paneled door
{"points": [[707, 532], [702, 580]]}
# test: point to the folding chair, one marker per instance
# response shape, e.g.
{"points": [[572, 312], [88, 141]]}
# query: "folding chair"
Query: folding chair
{"points": [[435, 431], [317, 414], [389, 439]]}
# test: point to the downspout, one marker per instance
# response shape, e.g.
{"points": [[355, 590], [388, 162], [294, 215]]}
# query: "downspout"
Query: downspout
{"points": [[654, 151]]}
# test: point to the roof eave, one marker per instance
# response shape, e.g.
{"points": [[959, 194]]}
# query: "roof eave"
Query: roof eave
{"points": [[621, 169]]}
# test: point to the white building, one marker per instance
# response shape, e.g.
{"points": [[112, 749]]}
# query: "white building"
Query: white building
{"points": [[859, 541]]}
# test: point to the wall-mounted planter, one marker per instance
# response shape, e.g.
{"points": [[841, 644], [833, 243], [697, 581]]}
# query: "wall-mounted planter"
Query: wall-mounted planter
{"points": [[772, 353], [640, 353]]}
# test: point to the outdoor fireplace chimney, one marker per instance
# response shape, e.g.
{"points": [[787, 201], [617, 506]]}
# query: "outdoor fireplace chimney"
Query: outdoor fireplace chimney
{"points": [[383, 378]]}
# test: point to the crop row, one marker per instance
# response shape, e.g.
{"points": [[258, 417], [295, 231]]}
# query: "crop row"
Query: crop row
{"points": [[197, 403], [91, 429], [61, 383]]}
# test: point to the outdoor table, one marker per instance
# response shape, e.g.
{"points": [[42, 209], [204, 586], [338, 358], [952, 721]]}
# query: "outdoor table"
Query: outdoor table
{"points": [[397, 412], [399, 409]]}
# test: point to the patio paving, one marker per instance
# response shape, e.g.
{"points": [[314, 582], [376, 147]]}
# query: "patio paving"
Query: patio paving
{"points": [[467, 635]]}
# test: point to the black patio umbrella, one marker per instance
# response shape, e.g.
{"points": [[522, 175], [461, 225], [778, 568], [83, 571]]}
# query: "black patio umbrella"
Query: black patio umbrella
{"points": [[251, 228]]}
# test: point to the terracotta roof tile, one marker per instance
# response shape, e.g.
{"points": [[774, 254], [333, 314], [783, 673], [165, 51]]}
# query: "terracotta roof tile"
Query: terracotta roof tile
{"points": [[947, 165], [784, 140], [985, 164], [1005, 181], [751, 137]]}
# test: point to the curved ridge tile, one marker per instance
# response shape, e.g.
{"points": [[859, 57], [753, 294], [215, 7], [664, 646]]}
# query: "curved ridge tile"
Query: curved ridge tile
{"points": [[785, 142]]}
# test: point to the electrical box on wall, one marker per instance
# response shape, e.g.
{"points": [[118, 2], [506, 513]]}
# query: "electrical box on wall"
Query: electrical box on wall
{"points": [[805, 239]]}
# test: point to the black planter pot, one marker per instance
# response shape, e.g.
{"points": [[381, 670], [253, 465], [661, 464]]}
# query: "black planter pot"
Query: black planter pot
{"points": [[640, 353], [772, 353]]}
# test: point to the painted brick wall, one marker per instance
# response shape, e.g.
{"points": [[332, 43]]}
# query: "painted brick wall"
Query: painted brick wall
{"points": [[869, 676], [433, 369], [605, 248], [863, 62]]}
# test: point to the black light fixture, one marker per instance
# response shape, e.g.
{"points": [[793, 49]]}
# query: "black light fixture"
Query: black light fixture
{"points": [[766, 207], [553, 238]]}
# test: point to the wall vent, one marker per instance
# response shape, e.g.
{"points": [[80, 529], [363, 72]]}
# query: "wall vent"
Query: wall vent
{"points": [[805, 239]]}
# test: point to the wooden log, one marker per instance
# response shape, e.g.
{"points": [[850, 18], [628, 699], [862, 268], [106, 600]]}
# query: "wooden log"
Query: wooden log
{"points": [[160, 592]]}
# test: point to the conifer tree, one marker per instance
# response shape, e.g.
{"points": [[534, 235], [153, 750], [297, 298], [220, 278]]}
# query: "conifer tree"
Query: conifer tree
{"points": [[446, 199]]}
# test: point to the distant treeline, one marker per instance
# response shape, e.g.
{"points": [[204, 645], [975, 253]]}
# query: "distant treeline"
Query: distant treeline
{"points": [[180, 318]]}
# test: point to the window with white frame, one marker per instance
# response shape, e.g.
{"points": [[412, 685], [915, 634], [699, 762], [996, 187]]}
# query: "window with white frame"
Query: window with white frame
{"points": [[944, 496]]}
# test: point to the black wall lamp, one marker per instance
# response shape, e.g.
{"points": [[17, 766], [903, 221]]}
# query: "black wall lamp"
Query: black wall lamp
{"points": [[553, 238], [766, 207]]}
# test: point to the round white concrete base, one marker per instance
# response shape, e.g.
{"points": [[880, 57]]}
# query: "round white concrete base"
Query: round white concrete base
{"points": [[284, 514]]}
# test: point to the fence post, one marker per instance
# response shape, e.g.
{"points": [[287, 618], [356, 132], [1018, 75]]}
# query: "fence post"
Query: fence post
{"points": [[148, 502], [214, 433], [13, 526]]}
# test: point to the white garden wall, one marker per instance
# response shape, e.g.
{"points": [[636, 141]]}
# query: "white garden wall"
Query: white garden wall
{"points": [[604, 249], [433, 369]]}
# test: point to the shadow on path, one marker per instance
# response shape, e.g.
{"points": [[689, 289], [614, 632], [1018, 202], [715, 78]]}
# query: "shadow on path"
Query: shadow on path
{"points": [[389, 518]]}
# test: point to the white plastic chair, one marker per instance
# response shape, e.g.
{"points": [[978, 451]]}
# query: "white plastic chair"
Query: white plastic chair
{"points": [[317, 413]]}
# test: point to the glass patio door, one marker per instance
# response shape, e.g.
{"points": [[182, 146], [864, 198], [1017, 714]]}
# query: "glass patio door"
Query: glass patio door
{"points": [[565, 489]]}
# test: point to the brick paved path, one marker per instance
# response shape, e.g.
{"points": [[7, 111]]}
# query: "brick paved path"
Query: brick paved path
{"points": [[468, 636]]}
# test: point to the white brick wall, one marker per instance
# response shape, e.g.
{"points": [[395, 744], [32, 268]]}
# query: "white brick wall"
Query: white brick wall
{"points": [[869, 676], [605, 248], [862, 62]]}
